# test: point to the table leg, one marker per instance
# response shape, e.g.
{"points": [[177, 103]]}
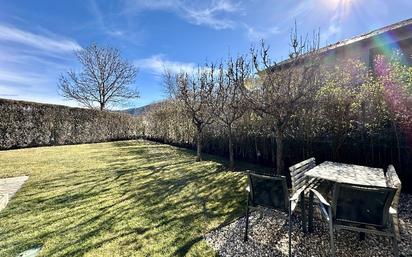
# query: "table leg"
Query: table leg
{"points": [[310, 225]]}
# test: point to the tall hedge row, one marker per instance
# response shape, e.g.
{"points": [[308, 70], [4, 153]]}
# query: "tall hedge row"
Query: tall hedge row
{"points": [[25, 124]]}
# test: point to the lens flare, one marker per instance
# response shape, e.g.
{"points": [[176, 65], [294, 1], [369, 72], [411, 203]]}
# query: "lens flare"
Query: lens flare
{"points": [[341, 8], [337, 3], [396, 95]]}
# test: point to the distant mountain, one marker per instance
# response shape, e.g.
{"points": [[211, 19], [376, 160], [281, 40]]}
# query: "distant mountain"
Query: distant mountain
{"points": [[138, 110]]}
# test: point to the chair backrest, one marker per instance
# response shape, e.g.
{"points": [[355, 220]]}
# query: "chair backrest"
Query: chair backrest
{"points": [[365, 205], [392, 180], [297, 173], [269, 191]]}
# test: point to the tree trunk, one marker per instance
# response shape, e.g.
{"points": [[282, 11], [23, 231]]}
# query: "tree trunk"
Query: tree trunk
{"points": [[398, 147], [257, 152], [199, 144], [279, 152], [231, 155], [101, 106], [272, 152], [335, 149], [337, 143]]}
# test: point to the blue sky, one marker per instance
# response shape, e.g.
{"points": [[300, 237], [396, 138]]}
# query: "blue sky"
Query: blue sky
{"points": [[37, 38]]}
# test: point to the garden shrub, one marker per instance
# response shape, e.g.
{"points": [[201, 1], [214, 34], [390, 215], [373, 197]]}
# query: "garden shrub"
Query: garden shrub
{"points": [[26, 124]]}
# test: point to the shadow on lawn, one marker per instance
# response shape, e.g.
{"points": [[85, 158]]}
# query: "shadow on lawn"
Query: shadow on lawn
{"points": [[191, 188], [144, 193]]}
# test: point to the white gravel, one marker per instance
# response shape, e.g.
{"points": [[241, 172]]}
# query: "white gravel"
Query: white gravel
{"points": [[268, 236]]}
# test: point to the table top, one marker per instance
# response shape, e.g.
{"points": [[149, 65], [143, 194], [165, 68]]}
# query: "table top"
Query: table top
{"points": [[348, 173]]}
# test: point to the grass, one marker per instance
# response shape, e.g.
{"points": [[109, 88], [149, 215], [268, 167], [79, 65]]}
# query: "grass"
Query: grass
{"points": [[129, 198]]}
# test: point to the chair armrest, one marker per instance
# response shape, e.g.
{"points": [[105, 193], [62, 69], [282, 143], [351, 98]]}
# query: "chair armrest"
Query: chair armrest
{"points": [[247, 189], [320, 197], [297, 194], [295, 199], [323, 204]]}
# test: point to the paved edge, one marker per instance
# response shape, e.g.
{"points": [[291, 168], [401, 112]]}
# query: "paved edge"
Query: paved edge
{"points": [[9, 187]]}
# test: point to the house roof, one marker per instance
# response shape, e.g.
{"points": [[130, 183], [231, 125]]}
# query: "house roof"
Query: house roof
{"points": [[358, 38]]}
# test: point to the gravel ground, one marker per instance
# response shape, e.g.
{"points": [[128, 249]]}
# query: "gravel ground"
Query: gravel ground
{"points": [[268, 236]]}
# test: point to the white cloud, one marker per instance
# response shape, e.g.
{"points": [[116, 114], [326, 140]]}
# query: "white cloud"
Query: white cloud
{"points": [[157, 64], [31, 62], [48, 43], [206, 17], [6, 91], [333, 29], [152, 5], [10, 93], [213, 14], [303, 8], [21, 78], [210, 16], [255, 34], [107, 27]]}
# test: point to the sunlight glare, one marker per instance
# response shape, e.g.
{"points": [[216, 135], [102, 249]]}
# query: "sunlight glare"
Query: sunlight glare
{"points": [[339, 8], [338, 4]]}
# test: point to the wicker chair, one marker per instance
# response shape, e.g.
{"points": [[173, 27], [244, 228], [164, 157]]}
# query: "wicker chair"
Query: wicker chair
{"points": [[362, 209], [270, 192], [392, 180]]}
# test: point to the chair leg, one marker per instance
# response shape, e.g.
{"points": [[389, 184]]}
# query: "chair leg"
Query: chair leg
{"points": [[302, 206], [247, 221], [310, 212], [395, 222], [332, 243], [362, 235], [290, 232], [395, 246]]}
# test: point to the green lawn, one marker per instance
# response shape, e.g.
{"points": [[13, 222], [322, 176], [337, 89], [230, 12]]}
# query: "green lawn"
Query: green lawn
{"points": [[130, 198]]}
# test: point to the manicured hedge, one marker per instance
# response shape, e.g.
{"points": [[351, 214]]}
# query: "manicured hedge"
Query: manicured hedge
{"points": [[26, 124]]}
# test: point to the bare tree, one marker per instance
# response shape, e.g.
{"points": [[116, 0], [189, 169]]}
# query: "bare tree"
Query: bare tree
{"points": [[105, 79], [280, 90], [194, 91], [228, 103]]}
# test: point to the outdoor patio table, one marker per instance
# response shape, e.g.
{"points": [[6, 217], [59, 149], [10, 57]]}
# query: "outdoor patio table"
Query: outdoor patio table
{"points": [[345, 173]]}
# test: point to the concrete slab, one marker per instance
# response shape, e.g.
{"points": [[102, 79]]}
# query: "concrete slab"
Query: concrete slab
{"points": [[30, 253], [4, 199], [9, 187]]}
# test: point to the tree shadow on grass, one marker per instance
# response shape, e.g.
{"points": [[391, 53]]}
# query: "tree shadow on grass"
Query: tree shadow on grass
{"points": [[139, 192]]}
